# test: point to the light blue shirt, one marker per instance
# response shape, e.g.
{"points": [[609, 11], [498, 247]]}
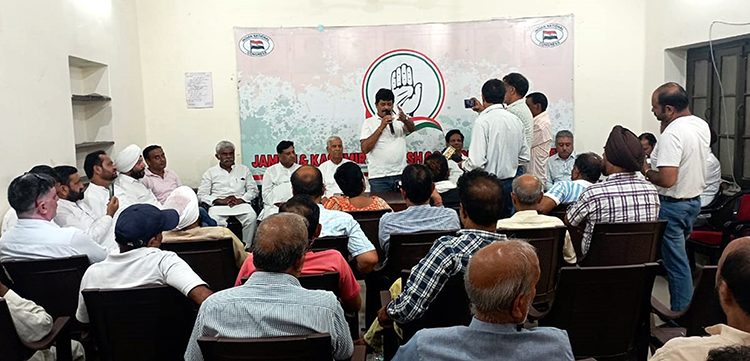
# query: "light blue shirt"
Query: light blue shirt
{"points": [[337, 223], [416, 219], [566, 192], [559, 169], [487, 341]]}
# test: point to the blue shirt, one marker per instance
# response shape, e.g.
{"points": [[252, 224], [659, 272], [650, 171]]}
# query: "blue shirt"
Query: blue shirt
{"points": [[559, 169], [487, 341], [416, 219], [566, 192], [337, 223]]}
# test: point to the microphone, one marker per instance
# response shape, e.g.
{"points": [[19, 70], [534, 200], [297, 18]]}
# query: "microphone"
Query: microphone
{"points": [[390, 125]]}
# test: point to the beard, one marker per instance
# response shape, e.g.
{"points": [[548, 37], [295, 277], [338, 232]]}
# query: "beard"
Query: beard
{"points": [[74, 196], [138, 174]]}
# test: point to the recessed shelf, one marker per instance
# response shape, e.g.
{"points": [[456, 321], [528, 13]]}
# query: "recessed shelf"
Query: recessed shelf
{"points": [[88, 98], [97, 144]]}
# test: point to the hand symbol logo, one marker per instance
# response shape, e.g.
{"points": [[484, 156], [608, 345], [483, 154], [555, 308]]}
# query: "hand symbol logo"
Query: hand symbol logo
{"points": [[408, 93]]}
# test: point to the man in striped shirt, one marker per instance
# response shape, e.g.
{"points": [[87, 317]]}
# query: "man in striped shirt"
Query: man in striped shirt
{"points": [[272, 302], [586, 171], [623, 197]]}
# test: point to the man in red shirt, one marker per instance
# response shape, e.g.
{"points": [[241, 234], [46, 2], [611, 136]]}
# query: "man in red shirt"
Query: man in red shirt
{"points": [[316, 262]]}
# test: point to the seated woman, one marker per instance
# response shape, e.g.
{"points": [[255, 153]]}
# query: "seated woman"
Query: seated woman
{"points": [[447, 189], [352, 183]]}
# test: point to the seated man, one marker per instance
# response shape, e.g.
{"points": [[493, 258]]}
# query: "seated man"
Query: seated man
{"points": [[527, 192], [587, 169], [501, 284], [127, 186], [732, 279], [316, 262], [99, 195], [11, 218], [229, 188], [713, 175], [307, 180], [158, 179], [560, 164], [272, 302], [185, 202], [335, 149], [447, 189], [35, 236], [70, 213], [276, 186], [140, 261], [416, 188], [33, 323], [623, 197]]}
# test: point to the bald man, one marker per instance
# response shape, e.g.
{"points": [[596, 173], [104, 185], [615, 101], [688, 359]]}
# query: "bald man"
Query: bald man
{"points": [[254, 310], [500, 281], [734, 295]]}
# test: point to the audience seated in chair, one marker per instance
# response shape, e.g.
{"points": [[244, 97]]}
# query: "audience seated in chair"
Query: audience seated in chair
{"points": [[713, 174], [416, 188], [351, 182], [481, 197], [33, 323], [276, 187], [127, 185], [729, 353], [307, 180], [587, 169], [734, 295], [335, 150], [98, 198], [185, 202], [623, 197], [140, 262], [316, 262], [35, 236], [272, 302], [501, 283], [229, 188], [11, 218], [158, 179], [448, 190], [526, 195]]}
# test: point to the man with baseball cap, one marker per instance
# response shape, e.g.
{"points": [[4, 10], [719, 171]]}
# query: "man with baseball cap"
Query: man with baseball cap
{"points": [[140, 261]]}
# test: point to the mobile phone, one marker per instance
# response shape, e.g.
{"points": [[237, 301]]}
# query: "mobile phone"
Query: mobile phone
{"points": [[111, 190], [468, 103]]}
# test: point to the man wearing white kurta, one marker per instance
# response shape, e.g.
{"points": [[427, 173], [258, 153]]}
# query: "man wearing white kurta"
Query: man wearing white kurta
{"points": [[229, 188], [384, 142], [335, 149], [276, 179], [128, 189], [35, 236], [97, 198], [497, 140]]}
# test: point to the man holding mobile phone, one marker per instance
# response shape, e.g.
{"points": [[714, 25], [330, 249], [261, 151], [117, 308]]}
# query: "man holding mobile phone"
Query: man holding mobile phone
{"points": [[98, 200], [383, 140]]}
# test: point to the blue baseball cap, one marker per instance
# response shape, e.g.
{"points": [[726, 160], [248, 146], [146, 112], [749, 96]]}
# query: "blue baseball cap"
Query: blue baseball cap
{"points": [[139, 223]]}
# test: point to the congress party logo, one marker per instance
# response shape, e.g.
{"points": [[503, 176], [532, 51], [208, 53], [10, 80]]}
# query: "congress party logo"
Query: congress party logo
{"points": [[549, 35], [415, 80], [256, 44]]}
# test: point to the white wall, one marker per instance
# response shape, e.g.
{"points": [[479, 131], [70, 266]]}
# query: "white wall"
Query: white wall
{"points": [[36, 37]]}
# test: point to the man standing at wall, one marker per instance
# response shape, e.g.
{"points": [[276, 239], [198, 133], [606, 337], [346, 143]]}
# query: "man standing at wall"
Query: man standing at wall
{"points": [[384, 143], [679, 174], [540, 141]]}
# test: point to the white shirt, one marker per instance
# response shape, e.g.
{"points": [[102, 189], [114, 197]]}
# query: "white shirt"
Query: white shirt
{"points": [[94, 202], [30, 320], [497, 143], [34, 239], [684, 144], [328, 169], [277, 187], [71, 214], [337, 223], [9, 220], [218, 183], [713, 179], [540, 146], [138, 267], [388, 156], [522, 111], [129, 191], [455, 171]]}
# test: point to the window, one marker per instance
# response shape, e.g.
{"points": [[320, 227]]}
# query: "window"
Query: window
{"points": [[728, 117]]}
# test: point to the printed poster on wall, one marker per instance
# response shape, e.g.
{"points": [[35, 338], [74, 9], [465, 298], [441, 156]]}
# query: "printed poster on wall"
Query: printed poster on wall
{"points": [[306, 84]]}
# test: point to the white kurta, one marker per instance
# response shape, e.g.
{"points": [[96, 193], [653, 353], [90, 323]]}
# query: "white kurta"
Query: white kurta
{"points": [[328, 169], [277, 187]]}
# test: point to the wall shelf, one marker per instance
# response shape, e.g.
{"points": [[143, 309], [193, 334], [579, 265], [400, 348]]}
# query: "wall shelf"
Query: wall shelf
{"points": [[91, 106], [94, 145], [93, 97]]}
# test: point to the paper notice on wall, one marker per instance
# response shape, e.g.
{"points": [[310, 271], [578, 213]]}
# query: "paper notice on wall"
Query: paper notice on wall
{"points": [[199, 91]]}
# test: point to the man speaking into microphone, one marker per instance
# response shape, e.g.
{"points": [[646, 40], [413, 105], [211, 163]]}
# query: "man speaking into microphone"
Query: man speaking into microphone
{"points": [[383, 140]]}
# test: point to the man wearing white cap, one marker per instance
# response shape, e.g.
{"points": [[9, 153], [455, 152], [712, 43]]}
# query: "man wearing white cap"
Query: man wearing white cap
{"points": [[127, 188]]}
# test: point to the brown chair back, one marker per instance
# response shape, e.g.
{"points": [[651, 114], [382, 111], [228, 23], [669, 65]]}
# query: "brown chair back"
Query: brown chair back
{"points": [[50, 283], [407, 249], [369, 221], [11, 346], [328, 281], [605, 310], [548, 243], [704, 309], [212, 260], [338, 243], [141, 323], [615, 244], [559, 211], [313, 347]]}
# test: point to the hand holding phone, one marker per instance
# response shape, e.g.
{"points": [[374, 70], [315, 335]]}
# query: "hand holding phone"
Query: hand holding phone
{"points": [[469, 103]]}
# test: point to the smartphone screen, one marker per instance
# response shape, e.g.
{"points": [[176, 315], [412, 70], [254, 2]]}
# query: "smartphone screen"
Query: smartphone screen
{"points": [[468, 103]]}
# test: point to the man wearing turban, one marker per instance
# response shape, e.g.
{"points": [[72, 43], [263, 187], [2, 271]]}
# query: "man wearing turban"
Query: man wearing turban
{"points": [[623, 197], [127, 187]]}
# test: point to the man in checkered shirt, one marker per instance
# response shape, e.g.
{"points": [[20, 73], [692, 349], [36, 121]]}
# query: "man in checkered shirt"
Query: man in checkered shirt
{"points": [[623, 197]]}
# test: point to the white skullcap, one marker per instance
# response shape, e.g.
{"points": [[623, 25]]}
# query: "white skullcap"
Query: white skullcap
{"points": [[185, 202], [127, 158]]}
